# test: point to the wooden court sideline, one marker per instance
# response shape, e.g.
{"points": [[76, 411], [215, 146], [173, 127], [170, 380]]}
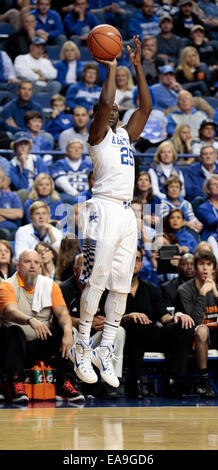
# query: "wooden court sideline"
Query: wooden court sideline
{"points": [[109, 428]]}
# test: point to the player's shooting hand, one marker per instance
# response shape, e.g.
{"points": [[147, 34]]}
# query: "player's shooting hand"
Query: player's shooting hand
{"points": [[135, 56], [108, 63]]}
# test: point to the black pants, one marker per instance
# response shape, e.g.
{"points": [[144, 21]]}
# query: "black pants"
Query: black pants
{"points": [[175, 342], [17, 354]]}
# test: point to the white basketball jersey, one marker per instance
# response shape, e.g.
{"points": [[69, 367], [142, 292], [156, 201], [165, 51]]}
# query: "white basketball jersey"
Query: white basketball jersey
{"points": [[113, 166]]}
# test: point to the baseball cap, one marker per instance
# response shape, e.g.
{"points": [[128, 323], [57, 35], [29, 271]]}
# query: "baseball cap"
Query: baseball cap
{"points": [[184, 2], [21, 137], [206, 122], [166, 69], [166, 16], [38, 41], [196, 27]]}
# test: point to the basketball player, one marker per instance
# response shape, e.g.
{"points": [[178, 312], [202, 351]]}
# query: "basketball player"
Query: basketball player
{"points": [[110, 232]]}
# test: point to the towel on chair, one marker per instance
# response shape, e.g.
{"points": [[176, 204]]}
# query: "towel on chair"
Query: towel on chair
{"points": [[42, 293]]}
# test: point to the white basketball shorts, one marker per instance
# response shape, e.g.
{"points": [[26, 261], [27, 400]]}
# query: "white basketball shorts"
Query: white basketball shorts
{"points": [[109, 244]]}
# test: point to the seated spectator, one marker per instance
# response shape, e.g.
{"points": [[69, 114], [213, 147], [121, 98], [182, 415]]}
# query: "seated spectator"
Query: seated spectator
{"points": [[79, 22], [48, 258], [37, 69], [110, 12], [24, 166], [169, 45], [49, 24], [166, 8], [13, 112], [209, 17], [72, 289], [173, 200], [144, 22], [143, 309], [186, 114], [186, 271], [150, 272], [29, 332], [174, 227], [59, 120], [69, 66], [208, 213], [197, 173], [145, 232], [79, 129], [124, 88], [7, 268], [206, 49], [185, 19], [151, 203], [18, 42], [70, 173], [8, 79], [43, 190], [87, 193], [182, 141], [85, 92], [198, 298], [167, 89], [39, 229], [151, 62], [154, 131], [69, 249], [192, 74], [11, 211], [41, 140], [165, 167], [207, 131]]}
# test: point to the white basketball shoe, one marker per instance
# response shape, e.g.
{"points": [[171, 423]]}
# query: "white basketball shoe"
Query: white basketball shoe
{"points": [[81, 356], [102, 358]]}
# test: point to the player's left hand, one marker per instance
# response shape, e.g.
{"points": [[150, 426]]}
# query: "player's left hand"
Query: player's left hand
{"points": [[135, 56]]}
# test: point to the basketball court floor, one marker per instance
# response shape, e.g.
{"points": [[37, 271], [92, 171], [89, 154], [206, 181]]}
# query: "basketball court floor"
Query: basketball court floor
{"points": [[119, 425]]}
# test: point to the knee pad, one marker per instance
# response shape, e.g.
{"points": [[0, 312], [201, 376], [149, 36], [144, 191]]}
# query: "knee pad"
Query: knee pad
{"points": [[90, 299], [115, 304]]}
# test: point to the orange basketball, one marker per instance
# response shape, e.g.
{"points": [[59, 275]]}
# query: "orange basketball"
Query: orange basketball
{"points": [[104, 42]]}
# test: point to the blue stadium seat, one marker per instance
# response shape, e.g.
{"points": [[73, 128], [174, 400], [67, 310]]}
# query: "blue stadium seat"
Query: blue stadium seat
{"points": [[4, 94], [85, 54], [44, 99], [53, 52], [212, 101], [6, 28]]}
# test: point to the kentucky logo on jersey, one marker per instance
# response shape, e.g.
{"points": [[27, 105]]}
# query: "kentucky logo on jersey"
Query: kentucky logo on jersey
{"points": [[93, 217]]}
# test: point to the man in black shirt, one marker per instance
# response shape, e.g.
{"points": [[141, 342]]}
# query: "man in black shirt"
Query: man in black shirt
{"points": [[198, 298], [186, 271], [144, 308]]}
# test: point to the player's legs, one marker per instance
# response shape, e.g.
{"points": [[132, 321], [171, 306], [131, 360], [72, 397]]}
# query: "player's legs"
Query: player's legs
{"points": [[119, 283]]}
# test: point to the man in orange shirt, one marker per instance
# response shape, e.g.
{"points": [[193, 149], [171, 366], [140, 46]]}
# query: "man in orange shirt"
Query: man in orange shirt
{"points": [[35, 326]]}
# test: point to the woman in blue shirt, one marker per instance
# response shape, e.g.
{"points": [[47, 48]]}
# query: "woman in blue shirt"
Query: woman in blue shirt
{"points": [[178, 233], [207, 212], [69, 66]]}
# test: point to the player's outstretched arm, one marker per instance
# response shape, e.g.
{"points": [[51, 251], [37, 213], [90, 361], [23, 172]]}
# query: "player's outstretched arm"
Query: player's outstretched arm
{"points": [[139, 118], [100, 124]]}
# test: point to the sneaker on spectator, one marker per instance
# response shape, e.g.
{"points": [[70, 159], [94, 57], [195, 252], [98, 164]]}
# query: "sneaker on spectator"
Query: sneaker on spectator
{"points": [[18, 392], [206, 390], [68, 392], [102, 358], [81, 355]]}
